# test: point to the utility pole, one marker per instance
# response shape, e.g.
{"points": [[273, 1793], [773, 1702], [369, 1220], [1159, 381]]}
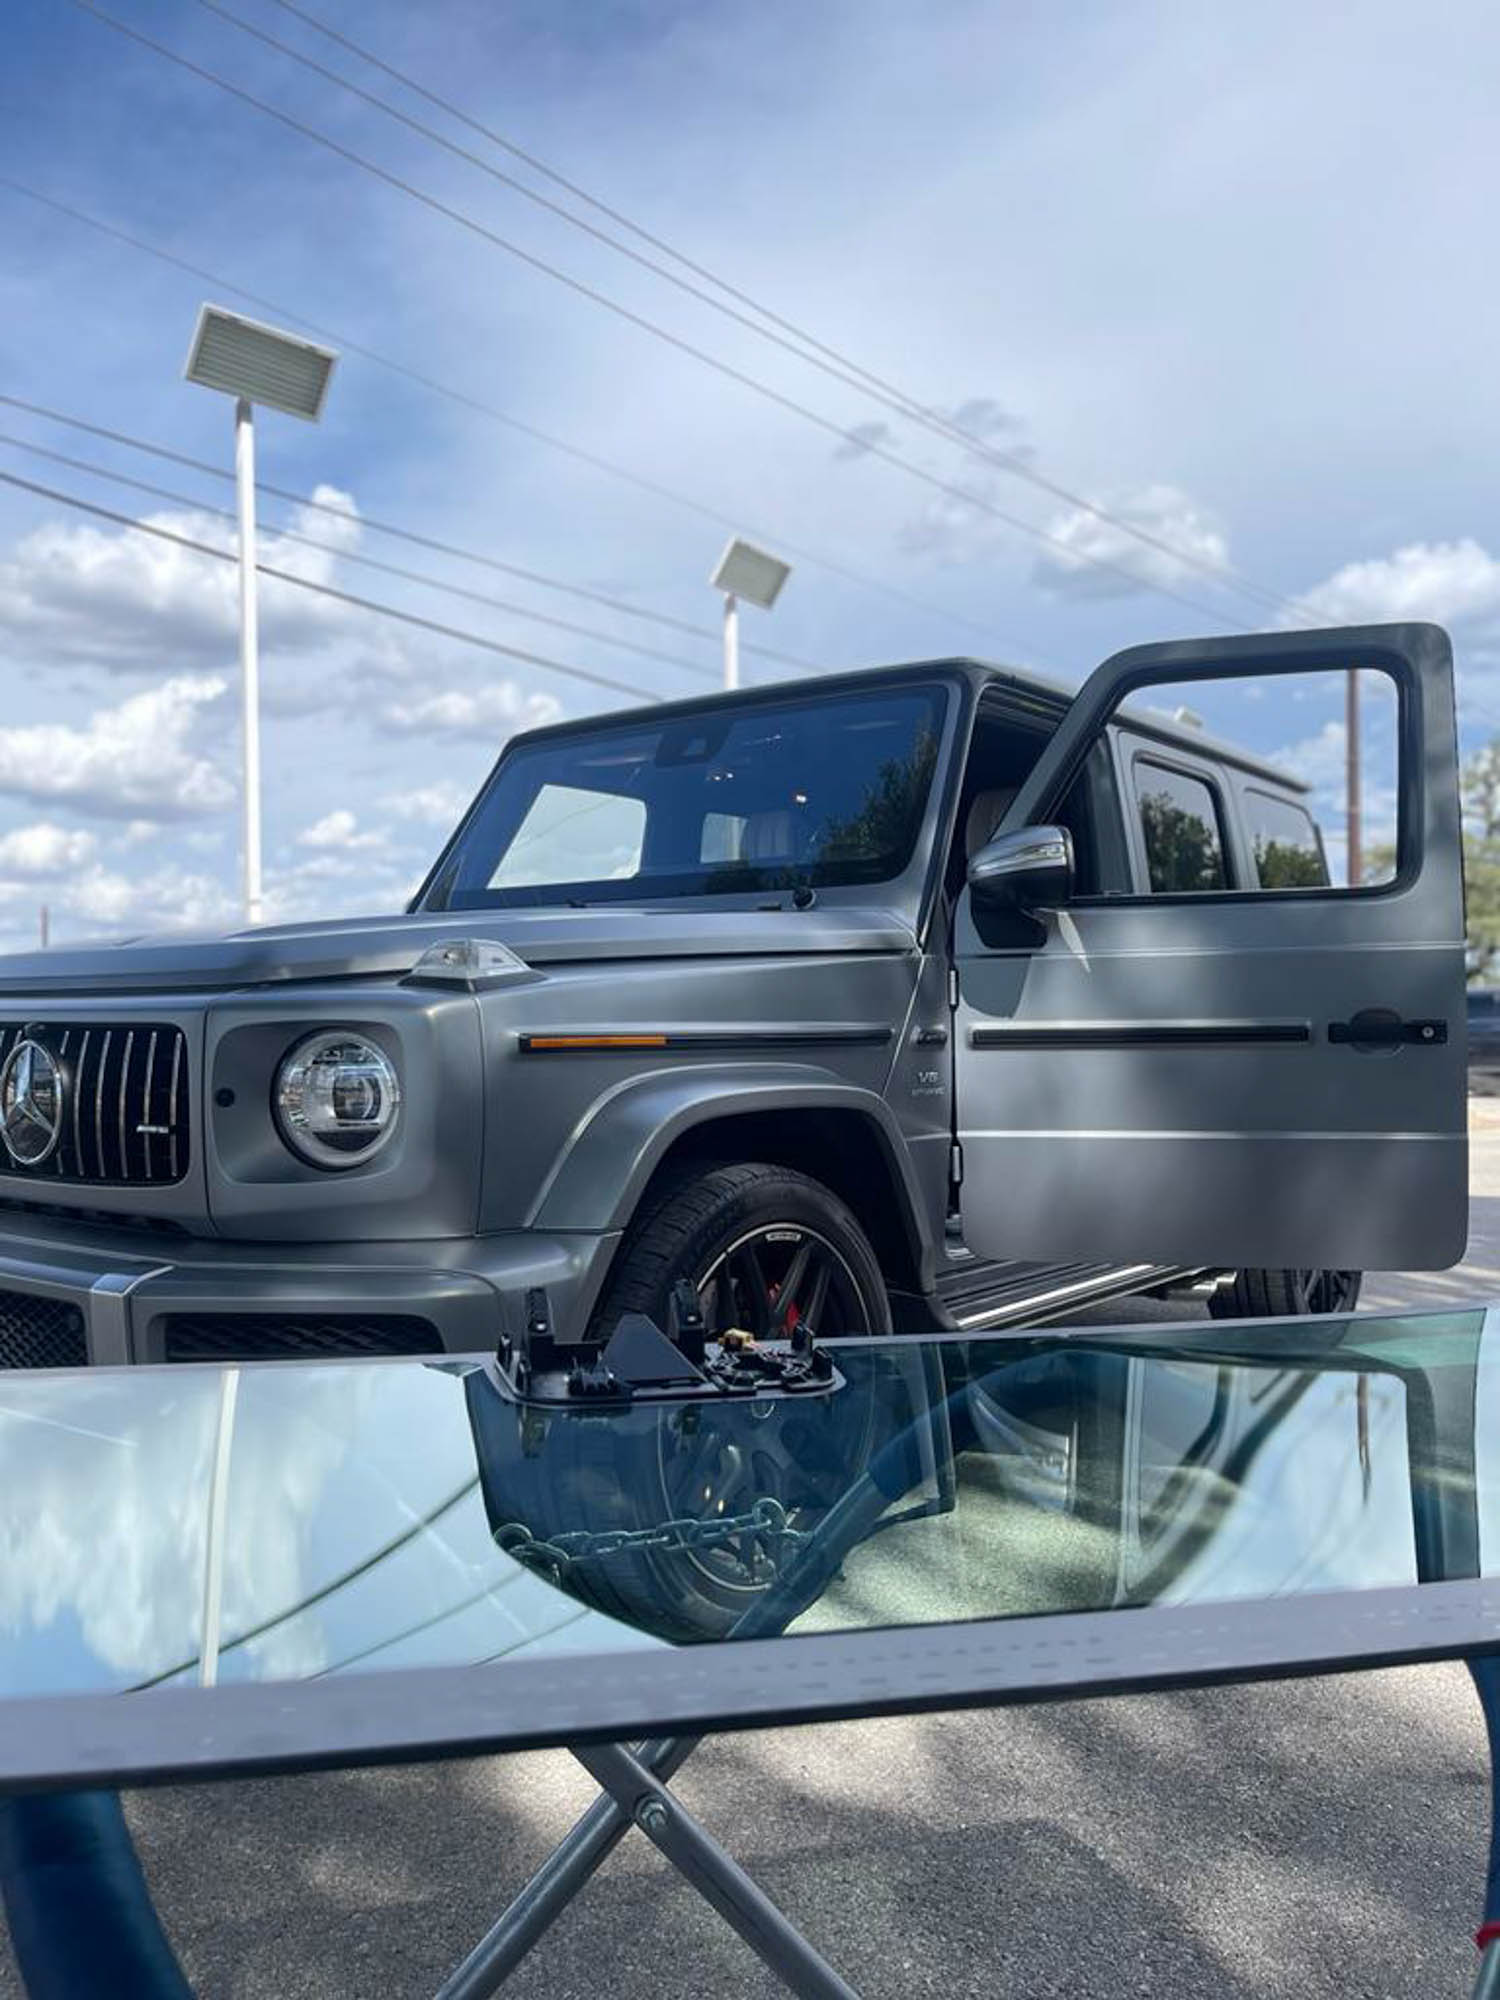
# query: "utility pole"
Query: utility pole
{"points": [[46, 927], [1351, 777]]}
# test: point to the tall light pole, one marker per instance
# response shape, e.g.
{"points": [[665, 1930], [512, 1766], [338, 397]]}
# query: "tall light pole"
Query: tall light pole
{"points": [[1354, 830], [746, 572], [254, 364]]}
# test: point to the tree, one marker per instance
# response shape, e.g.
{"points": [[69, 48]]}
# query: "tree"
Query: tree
{"points": [[1282, 864], [1182, 850], [886, 818], [1479, 788]]}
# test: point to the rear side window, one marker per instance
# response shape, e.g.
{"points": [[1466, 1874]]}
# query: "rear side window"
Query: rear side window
{"points": [[1287, 845], [1182, 829]]}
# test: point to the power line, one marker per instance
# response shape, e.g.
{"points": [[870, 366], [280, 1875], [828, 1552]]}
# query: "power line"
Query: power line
{"points": [[212, 471], [327, 590], [422, 1525], [468, 401], [353, 556], [591, 292], [780, 331]]}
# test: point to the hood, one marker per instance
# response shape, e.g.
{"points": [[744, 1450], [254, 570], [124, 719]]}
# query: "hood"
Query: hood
{"points": [[388, 947]]}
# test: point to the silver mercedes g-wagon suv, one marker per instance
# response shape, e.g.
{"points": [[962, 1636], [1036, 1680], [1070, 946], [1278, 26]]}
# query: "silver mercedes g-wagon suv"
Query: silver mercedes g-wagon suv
{"points": [[925, 996]]}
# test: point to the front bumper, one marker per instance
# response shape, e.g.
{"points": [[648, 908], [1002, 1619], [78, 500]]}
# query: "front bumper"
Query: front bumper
{"points": [[70, 1295]]}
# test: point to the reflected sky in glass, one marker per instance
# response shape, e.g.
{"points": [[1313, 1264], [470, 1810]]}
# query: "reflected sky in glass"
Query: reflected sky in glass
{"points": [[171, 1526]]}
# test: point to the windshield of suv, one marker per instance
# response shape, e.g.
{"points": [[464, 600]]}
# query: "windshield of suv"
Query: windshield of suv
{"points": [[817, 791]]}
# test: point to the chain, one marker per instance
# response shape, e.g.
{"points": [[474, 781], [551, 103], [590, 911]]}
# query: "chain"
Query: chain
{"points": [[553, 1554]]}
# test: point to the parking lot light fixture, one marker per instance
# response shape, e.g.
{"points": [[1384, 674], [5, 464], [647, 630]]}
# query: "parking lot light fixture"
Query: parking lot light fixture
{"points": [[750, 573], [255, 364]]}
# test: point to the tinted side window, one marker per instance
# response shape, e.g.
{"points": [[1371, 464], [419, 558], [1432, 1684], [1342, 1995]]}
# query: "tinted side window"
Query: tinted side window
{"points": [[1092, 814], [1180, 822], [1287, 845]]}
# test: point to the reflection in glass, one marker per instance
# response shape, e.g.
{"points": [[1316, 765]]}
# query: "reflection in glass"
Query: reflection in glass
{"points": [[366, 1517]]}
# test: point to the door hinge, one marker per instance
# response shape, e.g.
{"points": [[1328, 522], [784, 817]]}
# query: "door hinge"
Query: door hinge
{"points": [[955, 1165], [953, 986]]}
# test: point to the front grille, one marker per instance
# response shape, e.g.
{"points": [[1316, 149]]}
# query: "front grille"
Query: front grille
{"points": [[125, 1101], [283, 1337], [40, 1333]]}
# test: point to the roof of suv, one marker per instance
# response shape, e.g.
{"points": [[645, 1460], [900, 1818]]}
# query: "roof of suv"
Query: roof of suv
{"points": [[980, 673]]}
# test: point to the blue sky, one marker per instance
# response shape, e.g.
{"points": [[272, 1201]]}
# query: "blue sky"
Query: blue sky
{"points": [[1223, 271]]}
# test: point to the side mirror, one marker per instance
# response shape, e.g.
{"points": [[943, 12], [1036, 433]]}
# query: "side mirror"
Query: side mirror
{"points": [[1030, 868]]}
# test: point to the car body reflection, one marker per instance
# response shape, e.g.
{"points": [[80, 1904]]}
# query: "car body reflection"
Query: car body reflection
{"points": [[178, 1526]]}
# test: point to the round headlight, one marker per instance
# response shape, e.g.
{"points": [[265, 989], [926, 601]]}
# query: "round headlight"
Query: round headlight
{"points": [[337, 1096]]}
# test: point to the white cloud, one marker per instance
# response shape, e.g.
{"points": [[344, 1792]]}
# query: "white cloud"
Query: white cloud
{"points": [[1319, 761], [166, 899], [501, 706], [1190, 539], [118, 599], [38, 853], [338, 829], [138, 757], [170, 898], [1446, 582], [435, 805]]}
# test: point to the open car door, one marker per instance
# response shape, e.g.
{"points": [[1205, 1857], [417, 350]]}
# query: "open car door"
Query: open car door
{"points": [[1237, 1075]]}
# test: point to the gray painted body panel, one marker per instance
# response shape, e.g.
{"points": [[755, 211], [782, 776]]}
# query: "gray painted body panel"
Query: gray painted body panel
{"points": [[567, 1102], [1306, 1152], [516, 1167], [471, 1288], [388, 947]]}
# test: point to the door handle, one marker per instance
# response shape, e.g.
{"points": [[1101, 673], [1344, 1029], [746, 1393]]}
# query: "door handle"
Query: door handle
{"points": [[1379, 1028]]}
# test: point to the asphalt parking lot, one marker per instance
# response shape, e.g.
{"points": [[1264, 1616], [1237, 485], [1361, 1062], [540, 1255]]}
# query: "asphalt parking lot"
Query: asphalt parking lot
{"points": [[1312, 1839]]}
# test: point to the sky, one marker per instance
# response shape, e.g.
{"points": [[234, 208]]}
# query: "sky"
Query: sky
{"points": [[1223, 273]]}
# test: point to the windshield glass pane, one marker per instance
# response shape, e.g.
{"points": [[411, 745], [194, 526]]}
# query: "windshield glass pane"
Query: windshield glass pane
{"points": [[821, 790], [381, 1516]]}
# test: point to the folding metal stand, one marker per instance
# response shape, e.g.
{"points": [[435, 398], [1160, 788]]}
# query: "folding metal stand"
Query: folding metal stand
{"points": [[71, 1853], [634, 1793], [1486, 1676], [634, 1783]]}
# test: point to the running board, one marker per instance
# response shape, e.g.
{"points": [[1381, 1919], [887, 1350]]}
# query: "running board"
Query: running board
{"points": [[995, 1295]]}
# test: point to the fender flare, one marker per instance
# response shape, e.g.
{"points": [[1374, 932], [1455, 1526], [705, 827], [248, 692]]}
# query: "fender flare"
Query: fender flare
{"points": [[597, 1180]]}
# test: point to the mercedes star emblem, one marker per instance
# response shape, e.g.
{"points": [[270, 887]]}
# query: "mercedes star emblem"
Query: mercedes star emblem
{"points": [[31, 1103]]}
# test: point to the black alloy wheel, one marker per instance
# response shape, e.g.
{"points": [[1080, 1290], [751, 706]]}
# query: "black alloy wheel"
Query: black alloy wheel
{"points": [[768, 1250]]}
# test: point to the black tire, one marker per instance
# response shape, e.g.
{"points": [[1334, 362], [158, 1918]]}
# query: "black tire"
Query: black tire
{"points": [[1286, 1294], [700, 1214], [671, 1462]]}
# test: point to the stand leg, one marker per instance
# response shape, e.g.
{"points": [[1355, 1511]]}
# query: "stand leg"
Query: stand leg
{"points": [[80, 1910], [1484, 1669], [555, 1884], [697, 1856]]}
